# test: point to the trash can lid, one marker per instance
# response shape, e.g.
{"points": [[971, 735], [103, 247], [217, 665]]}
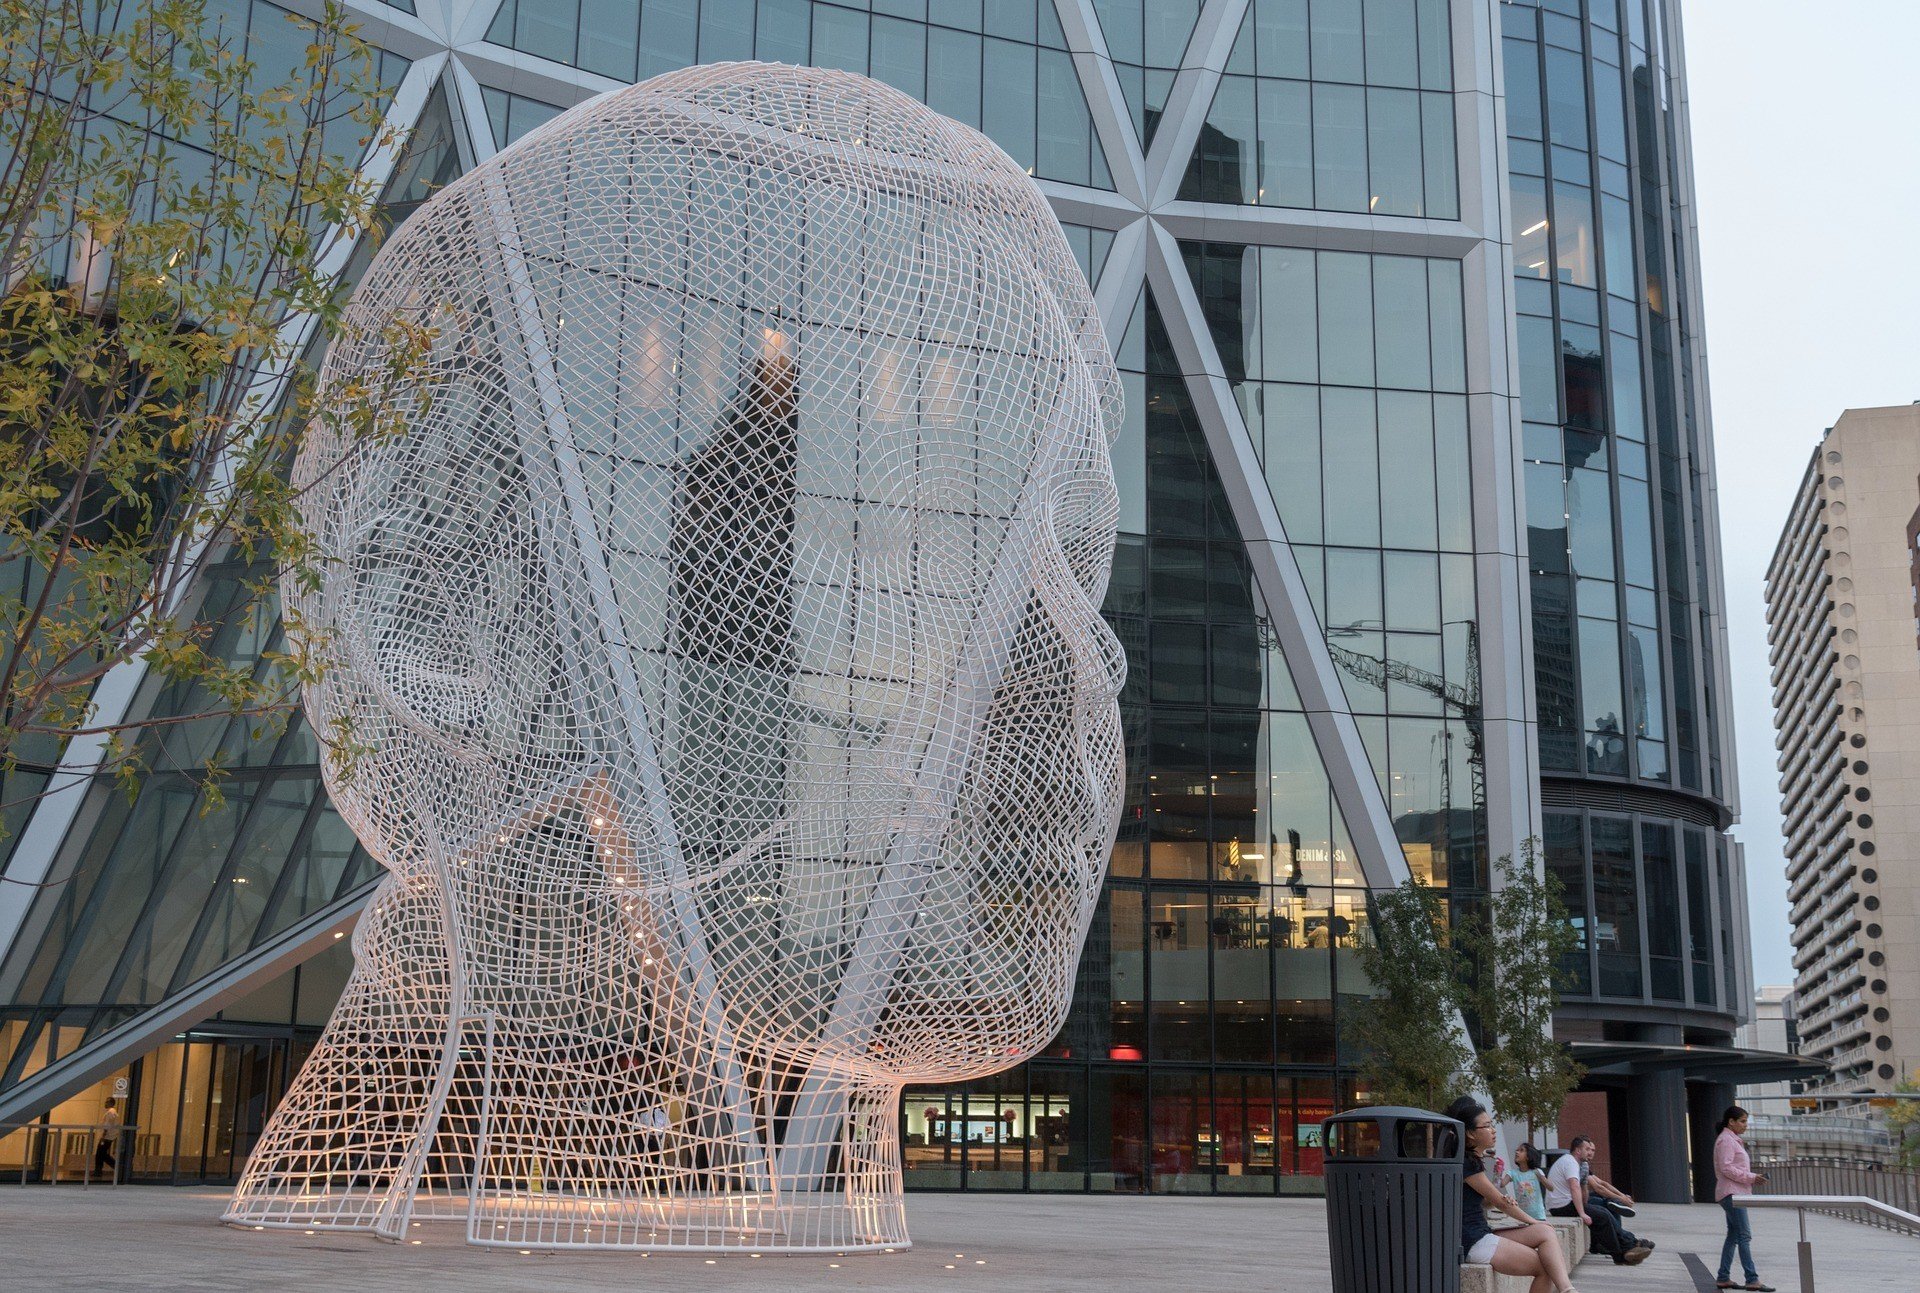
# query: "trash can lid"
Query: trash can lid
{"points": [[1393, 1112], [1392, 1133]]}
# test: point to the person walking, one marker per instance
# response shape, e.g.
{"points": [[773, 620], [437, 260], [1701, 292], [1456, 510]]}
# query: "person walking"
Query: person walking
{"points": [[1733, 1174], [109, 1129], [1531, 1248]]}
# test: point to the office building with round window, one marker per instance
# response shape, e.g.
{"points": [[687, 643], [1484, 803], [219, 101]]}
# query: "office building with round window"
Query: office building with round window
{"points": [[1418, 563]]}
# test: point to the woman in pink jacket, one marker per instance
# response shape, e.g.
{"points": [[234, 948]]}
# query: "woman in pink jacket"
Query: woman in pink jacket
{"points": [[1733, 1174]]}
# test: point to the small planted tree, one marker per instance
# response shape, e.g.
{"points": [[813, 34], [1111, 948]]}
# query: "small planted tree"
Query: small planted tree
{"points": [[1519, 942], [177, 195], [1414, 1052]]}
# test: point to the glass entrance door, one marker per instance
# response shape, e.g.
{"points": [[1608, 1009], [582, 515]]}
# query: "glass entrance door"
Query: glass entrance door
{"points": [[204, 1103]]}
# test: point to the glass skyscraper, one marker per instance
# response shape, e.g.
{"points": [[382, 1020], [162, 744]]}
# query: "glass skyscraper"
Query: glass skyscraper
{"points": [[1419, 562]]}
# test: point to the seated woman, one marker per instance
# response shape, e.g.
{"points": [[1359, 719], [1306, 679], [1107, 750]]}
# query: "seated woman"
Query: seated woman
{"points": [[1532, 1248], [1526, 1182]]}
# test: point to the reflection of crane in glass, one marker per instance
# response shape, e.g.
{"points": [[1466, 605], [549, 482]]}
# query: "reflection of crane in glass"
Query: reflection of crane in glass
{"points": [[1461, 700]]}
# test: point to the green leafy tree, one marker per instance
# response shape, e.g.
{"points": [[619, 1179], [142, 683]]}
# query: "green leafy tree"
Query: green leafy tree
{"points": [[1519, 943], [1413, 1051], [178, 196]]}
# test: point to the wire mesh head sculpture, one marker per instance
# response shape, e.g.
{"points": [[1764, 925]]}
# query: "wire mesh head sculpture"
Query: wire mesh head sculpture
{"points": [[720, 645]]}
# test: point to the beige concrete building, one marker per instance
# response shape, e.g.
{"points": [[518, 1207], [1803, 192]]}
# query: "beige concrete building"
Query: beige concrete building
{"points": [[1841, 616]]}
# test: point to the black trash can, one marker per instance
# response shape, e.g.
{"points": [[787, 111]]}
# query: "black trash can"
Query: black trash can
{"points": [[1393, 1200]]}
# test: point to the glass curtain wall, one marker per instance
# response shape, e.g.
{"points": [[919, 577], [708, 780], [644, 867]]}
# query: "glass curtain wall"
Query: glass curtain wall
{"points": [[1203, 1045], [1001, 67], [1623, 576]]}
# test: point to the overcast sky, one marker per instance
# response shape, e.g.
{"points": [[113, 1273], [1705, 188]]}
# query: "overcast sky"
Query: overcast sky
{"points": [[1806, 134]]}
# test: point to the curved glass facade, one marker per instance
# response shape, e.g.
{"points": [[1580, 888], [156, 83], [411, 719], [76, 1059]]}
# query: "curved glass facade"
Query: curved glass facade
{"points": [[1318, 474], [1622, 552]]}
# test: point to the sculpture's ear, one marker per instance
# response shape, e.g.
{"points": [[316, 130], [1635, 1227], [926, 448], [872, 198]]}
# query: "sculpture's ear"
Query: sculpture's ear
{"points": [[432, 595]]}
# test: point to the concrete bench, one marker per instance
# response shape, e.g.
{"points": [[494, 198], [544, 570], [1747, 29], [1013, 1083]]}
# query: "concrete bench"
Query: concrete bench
{"points": [[1482, 1279]]}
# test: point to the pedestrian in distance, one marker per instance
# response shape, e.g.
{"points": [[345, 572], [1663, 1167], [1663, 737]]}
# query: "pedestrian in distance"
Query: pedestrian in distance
{"points": [[1733, 1174], [103, 1154], [1531, 1248]]}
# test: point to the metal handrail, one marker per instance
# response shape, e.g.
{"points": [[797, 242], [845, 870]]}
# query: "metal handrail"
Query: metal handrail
{"points": [[1802, 1203], [1839, 1176], [120, 1135]]}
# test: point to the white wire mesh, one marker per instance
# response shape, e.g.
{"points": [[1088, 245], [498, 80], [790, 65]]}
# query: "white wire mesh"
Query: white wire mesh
{"points": [[722, 633]]}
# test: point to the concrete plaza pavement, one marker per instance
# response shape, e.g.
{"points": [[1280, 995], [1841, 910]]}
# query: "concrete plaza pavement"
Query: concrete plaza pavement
{"points": [[98, 1240]]}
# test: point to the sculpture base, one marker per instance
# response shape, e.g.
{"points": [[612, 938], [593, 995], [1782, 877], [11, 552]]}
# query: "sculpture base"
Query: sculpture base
{"points": [[709, 1224]]}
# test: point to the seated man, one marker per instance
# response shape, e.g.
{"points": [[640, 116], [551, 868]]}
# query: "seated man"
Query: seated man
{"points": [[1567, 1196], [1602, 1193]]}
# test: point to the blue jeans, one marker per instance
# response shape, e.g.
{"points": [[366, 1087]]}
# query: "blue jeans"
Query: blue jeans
{"points": [[1740, 1236]]}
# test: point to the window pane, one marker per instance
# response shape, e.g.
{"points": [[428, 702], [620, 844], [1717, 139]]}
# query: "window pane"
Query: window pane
{"points": [[1573, 234], [1292, 458], [1616, 908], [1663, 910], [609, 39], [1125, 1034], [1617, 221], [1408, 517], [1590, 510], [1280, 38], [1290, 344], [1242, 978], [1117, 1137], [1185, 1149], [1439, 166], [1539, 370], [1008, 113], [1523, 88], [1600, 701], [900, 56], [1066, 132], [1436, 44], [1352, 467], [1337, 41], [953, 74], [1566, 863], [1400, 323], [1286, 143], [1566, 98], [1339, 147], [1393, 56], [668, 35], [1178, 933], [1447, 321], [1453, 472], [1346, 319], [1532, 257]]}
